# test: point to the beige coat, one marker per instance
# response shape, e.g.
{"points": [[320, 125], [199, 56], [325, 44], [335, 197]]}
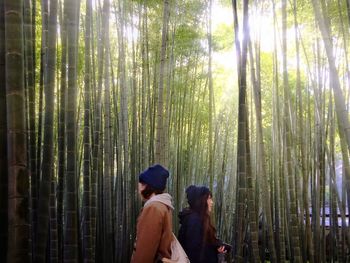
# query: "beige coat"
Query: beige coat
{"points": [[154, 230]]}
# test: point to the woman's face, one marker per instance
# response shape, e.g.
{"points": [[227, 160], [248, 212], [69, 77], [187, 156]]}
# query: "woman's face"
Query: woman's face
{"points": [[141, 187], [210, 203]]}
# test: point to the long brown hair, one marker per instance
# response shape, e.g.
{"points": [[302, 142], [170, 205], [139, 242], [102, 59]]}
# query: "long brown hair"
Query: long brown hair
{"points": [[201, 207]]}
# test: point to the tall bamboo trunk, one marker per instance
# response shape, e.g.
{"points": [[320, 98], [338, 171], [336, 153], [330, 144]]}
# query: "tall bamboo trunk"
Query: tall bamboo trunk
{"points": [[144, 88], [29, 30], [161, 156], [251, 205], [86, 210], [252, 200], [242, 151], [35, 187], [71, 211], [42, 82], [47, 162], [3, 141], [318, 158], [334, 233], [107, 173], [18, 174], [240, 182], [53, 222], [211, 100], [135, 155], [294, 226], [276, 156], [348, 9], [61, 137], [96, 149]]}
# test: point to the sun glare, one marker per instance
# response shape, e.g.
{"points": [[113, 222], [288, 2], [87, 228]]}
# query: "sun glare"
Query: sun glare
{"points": [[224, 61]]}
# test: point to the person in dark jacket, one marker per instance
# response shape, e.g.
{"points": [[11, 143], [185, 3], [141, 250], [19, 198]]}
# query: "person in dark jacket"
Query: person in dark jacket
{"points": [[197, 234]]}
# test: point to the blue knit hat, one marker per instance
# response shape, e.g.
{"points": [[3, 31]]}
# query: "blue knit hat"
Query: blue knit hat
{"points": [[194, 193], [155, 176]]}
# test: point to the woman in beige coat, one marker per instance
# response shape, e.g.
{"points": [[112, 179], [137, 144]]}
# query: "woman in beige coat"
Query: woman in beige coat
{"points": [[154, 224]]}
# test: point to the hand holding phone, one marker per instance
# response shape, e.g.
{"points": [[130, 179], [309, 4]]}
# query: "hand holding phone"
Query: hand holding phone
{"points": [[222, 249], [228, 247]]}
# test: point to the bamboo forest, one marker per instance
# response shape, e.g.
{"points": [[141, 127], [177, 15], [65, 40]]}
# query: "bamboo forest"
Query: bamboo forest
{"points": [[249, 98]]}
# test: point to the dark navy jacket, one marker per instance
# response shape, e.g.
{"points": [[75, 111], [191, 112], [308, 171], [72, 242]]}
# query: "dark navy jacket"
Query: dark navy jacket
{"points": [[191, 239]]}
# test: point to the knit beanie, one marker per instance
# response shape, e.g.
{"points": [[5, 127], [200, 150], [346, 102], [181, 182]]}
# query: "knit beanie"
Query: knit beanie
{"points": [[194, 193], [155, 176]]}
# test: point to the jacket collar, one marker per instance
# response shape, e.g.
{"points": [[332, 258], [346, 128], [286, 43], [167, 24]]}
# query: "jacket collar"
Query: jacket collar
{"points": [[164, 198]]}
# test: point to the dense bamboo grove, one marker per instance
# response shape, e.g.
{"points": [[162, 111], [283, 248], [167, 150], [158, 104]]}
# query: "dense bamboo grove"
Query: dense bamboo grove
{"points": [[93, 92]]}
